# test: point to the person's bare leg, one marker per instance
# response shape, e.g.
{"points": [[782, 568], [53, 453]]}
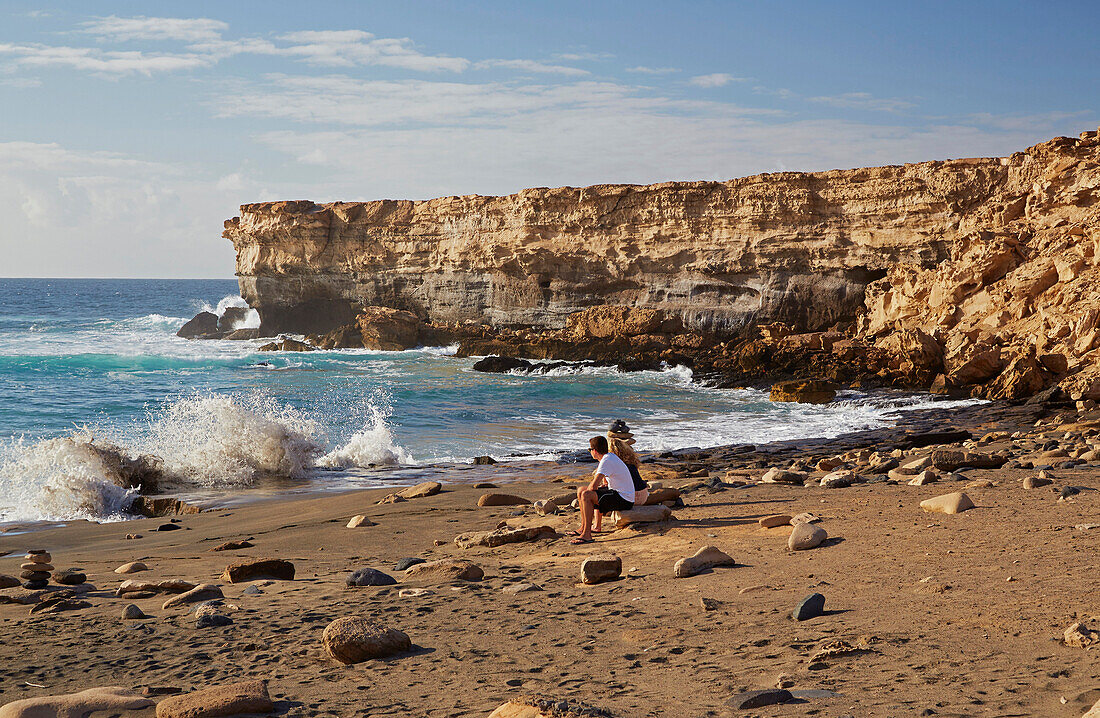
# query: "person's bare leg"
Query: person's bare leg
{"points": [[588, 505], [597, 524]]}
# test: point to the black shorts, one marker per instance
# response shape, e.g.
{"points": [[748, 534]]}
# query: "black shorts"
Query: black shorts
{"points": [[608, 500]]}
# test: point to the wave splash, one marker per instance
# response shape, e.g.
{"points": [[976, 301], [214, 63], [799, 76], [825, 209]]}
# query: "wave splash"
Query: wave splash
{"points": [[202, 442], [251, 318]]}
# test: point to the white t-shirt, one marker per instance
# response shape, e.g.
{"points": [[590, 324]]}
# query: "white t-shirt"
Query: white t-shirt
{"points": [[618, 476]]}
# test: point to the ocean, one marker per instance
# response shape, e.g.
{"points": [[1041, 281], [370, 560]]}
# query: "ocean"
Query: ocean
{"points": [[89, 361]]}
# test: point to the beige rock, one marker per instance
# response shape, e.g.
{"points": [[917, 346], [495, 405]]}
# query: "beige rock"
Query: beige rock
{"points": [[1035, 482], [502, 500], [506, 535], [270, 568], [703, 559], [804, 518], [806, 536], [76, 705], [546, 507], [1093, 712], [598, 569], [1082, 634], [388, 329], [953, 503], [202, 592], [248, 697], [805, 391], [659, 495], [770, 522], [639, 515], [132, 567], [448, 569], [776, 475], [353, 639], [923, 478], [421, 490], [359, 520]]}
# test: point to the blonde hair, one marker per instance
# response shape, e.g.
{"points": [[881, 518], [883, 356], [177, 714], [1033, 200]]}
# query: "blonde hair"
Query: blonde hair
{"points": [[620, 448]]}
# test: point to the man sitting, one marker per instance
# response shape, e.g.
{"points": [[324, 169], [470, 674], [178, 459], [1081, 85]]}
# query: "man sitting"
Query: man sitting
{"points": [[612, 489]]}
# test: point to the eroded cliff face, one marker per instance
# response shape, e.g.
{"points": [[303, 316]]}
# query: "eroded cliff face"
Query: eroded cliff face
{"points": [[793, 247]]}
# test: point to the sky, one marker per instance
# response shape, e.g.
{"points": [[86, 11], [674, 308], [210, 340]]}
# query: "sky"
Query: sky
{"points": [[130, 131]]}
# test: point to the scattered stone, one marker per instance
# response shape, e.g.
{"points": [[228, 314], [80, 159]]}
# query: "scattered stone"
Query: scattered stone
{"points": [[1068, 492], [212, 620], [837, 647], [414, 592], [132, 567], [759, 699], [948, 503], [369, 577], [76, 705], [202, 592], [168, 527], [710, 604], [161, 690], [172, 585], [839, 479], [272, 568], [506, 535], [202, 324], [1086, 527], [248, 697], [806, 536], [131, 537], [232, 546], [661, 495], [703, 559], [448, 569], [502, 500], [1081, 635], [775, 475], [8, 581], [804, 391], [353, 639], [771, 522], [360, 520], [923, 478], [521, 588], [70, 577], [484, 461], [804, 518], [810, 607], [534, 707], [545, 507], [1035, 482], [405, 563], [59, 604], [598, 569], [421, 490], [640, 515], [980, 484], [132, 612], [485, 485]]}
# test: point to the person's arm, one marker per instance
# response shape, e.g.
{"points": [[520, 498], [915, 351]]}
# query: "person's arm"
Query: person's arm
{"points": [[597, 481]]}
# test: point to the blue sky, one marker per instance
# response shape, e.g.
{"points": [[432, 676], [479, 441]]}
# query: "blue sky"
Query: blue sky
{"points": [[129, 131]]}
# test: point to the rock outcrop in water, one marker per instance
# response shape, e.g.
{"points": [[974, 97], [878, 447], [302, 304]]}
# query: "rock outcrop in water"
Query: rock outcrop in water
{"points": [[975, 276]]}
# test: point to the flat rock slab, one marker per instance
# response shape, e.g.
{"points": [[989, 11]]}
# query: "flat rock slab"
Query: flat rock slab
{"points": [[173, 585], [759, 699], [76, 705], [353, 639], [703, 559], [8, 581], [232, 546], [499, 537], [502, 500], [234, 699], [776, 475], [369, 577], [132, 567], [601, 568], [272, 568], [806, 536], [810, 607], [532, 707], [948, 503], [640, 515], [448, 569], [422, 490], [202, 592], [770, 522]]}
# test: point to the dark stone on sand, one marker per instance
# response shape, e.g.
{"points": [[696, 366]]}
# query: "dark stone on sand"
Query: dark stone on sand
{"points": [[35, 575], [759, 699], [810, 607], [8, 581], [501, 365], [169, 527], [486, 485], [132, 612], [213, 620], [1069, 491], [273, 568], [369, 577], [35, 585], [203, 324], [232, 546], [406, 562], [484, 460], [930, 438], [70, 577]]}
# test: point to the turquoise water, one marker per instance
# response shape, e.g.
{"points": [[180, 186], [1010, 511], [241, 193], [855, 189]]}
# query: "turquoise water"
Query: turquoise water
{"points": [[98, 361]]}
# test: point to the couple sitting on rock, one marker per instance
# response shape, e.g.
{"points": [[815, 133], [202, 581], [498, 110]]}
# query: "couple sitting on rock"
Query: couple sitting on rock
{"points": [[616, 486]]}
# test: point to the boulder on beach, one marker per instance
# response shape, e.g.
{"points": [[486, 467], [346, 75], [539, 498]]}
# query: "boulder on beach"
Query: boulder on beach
{"points": [[359, 520], [705, 558], [247, 697], [354, 639], [952, 503], [541, 707], [369, 577], [447, 569], [505, 535], [806, 536], [77, 705], [804, 391], [771, 522], [272, 568], [421, 490], [202, 592], [502, 500], [640, 515], [598, 569], [132, 567]]}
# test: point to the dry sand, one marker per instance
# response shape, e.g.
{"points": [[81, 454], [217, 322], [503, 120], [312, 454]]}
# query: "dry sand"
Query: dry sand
{"points": [[960, 613]]}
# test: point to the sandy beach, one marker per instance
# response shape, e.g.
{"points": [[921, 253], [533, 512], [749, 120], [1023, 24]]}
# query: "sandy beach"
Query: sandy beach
{"points": [[934, 614]]}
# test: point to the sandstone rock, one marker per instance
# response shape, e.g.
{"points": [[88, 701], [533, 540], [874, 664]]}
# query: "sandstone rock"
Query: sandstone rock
{"points": [[521, 588], [539, 707], [272, 568], [388, 329], [806, 536], [781, 476], [804, 518], [616, 321], [1081, 635], [151, 506], [353, 639], [247, 697], [1035, 482], [810, 607], [132, 612], [640, 515], [804, 391], [59, 604], [660, 495], [952, 459], [506, 535], [359, 520], [948, 503], [839, 479], [76, 705], [232, 546], [203, 324], [369, 577], [202, 592], [703, 559], [502, 500], [830, 464], [421, 490], [132, 567], [1093, 712], [770, 522], [448, 569], [546, 507], [923, 478], [599, 569]]}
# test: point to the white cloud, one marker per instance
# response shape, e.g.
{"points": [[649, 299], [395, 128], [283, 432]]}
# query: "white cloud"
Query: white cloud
{"points": [[642, 69], [100, 62], [583, 56], [346, 48], [126, 29], [532, 66], [717, 79], [864, 101]]}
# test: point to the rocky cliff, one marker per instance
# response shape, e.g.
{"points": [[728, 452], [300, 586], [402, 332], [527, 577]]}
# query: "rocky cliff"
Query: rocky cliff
{"points": [[974, 269]]}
